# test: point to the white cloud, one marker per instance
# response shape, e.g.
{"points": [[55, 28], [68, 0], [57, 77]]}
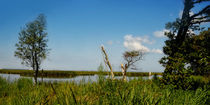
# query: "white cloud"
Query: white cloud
{"points": [[110, 42], [146, 40], [160, 34], [135, 43], [156, 51]]}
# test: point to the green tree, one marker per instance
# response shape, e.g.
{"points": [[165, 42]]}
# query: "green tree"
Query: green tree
{"points": [[198, 53], [178, 60], [32, 46]]}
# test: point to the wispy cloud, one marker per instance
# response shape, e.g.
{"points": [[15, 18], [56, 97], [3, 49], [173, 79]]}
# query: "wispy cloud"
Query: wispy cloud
{"points": [[156, 51], [160, 33], [110, 42]]}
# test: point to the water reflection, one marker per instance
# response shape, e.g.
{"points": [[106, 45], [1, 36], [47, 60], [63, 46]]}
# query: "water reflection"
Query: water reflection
{"points": [[13, 77], [10, 77]]}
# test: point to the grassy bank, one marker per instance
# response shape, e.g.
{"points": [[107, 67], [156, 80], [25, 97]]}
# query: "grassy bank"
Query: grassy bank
{"points": [[59, 73], [102, 92]]}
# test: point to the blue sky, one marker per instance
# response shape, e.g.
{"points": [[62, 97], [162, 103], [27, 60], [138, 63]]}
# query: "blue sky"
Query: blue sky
{"points": [[77, 28]]}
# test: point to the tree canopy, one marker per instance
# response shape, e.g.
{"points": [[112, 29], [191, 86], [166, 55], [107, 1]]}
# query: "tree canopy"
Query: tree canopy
{"points": [[32, 46], [186, 53]]}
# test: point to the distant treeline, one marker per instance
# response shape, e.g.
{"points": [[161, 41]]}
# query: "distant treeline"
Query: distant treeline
{"points": [[69, 74]]}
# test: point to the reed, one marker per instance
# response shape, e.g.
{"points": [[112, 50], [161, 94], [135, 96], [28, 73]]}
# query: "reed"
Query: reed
{"points": [[103, 91]]}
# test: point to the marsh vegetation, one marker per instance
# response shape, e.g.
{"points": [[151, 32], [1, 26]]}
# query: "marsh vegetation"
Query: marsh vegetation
{"points": [[185, 80], [69, 74], [102, 92]]}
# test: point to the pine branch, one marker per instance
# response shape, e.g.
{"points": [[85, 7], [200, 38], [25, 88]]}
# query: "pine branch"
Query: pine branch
{"points": [[202, 21], [201, 12], [199, 1]]}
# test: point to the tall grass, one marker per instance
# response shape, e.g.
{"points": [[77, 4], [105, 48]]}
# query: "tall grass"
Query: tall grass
{"points": [[102, 92]]}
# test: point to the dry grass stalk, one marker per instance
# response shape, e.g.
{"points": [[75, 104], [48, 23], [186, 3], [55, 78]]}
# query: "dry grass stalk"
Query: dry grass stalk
{"points": [[123, 72], [106, 60]]}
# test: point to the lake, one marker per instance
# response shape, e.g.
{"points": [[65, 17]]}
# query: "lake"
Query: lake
{"points": [[92, 78]]}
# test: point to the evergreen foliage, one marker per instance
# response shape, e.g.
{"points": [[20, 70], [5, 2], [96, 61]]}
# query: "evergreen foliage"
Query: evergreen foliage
{"points": [[186, 53]]}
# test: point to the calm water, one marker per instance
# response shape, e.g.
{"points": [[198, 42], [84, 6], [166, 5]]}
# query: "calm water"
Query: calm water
{"points": [[13, 77]]}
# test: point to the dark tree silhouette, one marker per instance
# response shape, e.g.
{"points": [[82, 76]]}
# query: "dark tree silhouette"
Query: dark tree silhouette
{"points": [[176, 62]]}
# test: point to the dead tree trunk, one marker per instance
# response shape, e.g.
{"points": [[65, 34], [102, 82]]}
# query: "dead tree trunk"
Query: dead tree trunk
{"points": [[150, 73], [123, 72], [106, 60]]}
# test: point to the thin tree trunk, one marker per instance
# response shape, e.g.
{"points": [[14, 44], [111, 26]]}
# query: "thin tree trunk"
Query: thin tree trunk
{"points": [[36, 75], [37, 68], [35, 78], [123, 72], [150, 73], [107, 61]]}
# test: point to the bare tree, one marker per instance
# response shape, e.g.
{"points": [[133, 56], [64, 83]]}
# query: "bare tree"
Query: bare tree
{"points": [[130, 57], [106, 60]]}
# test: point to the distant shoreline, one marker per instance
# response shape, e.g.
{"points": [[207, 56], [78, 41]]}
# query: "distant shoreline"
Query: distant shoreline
{"points": [[70, 74]]}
